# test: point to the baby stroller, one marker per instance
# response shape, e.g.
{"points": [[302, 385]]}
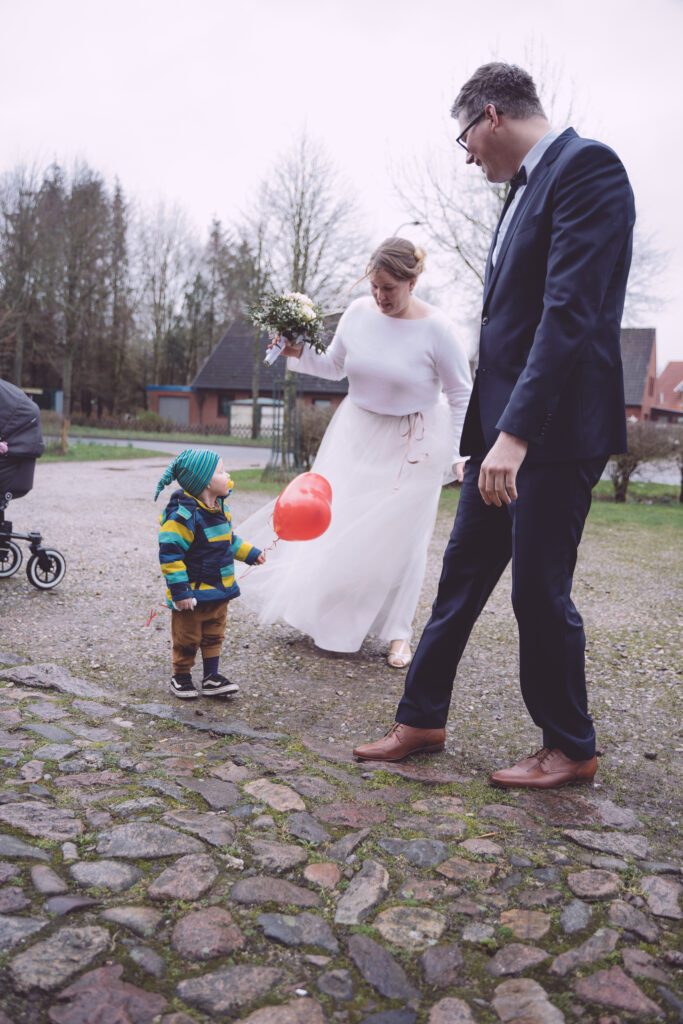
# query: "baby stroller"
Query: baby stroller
{"points": [[21, 443]]}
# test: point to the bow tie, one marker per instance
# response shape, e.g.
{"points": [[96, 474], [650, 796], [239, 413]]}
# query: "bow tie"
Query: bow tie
{"points": [[518, 180]]}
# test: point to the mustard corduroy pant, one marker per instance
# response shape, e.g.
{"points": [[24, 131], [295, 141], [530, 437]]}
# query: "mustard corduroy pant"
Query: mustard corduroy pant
{"points": [[203, 627]]}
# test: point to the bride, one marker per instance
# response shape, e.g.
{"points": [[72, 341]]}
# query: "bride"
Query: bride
{"points": [[387, 451]]}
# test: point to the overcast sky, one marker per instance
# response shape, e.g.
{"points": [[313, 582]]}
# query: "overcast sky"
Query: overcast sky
{"points": [[191, 102]]}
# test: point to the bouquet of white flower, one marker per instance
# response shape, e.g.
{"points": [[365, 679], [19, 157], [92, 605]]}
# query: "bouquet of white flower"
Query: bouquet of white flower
{"points": [[293, 316]]}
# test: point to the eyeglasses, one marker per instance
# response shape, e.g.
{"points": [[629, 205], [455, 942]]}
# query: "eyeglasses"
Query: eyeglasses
{"points": [[461, 137]]}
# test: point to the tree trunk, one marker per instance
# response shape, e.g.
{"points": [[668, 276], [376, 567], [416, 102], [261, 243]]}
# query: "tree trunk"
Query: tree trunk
{"points": [[255, 379], [67, 367], [19, 354], [289, 431], [620, 481]]}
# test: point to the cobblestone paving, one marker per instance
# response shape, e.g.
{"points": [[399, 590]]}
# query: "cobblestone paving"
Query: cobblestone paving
{"points": [[172, 864]]}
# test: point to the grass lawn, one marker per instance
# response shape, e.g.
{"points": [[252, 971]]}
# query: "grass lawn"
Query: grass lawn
{"points": [[146, 435], [636, 515], [250, 480], [655, 507], [98, 452], [652, 506], [639, 490]]}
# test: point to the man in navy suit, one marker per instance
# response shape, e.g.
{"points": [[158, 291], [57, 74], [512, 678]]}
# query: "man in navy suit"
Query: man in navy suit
{"points": [[547, 410]]}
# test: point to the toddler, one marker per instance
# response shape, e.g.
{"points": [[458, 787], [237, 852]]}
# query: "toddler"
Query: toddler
{"points": [[197, 549]]}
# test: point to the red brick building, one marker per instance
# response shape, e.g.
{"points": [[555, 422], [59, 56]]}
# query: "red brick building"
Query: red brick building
{"points": [[669, 388], [649, 397]]}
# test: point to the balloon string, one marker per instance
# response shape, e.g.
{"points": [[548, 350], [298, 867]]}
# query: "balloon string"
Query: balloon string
{"points": [[153, 614], [265, 551]]}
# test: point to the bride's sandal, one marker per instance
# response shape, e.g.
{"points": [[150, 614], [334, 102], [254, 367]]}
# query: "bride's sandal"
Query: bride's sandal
{"points": [[400, 654]]}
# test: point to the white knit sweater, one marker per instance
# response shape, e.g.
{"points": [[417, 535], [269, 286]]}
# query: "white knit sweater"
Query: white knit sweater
{"points": [[395, 366]]}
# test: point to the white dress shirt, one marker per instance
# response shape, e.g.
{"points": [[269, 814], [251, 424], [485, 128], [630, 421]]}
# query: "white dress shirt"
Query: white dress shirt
{"points": [[529, 163]]}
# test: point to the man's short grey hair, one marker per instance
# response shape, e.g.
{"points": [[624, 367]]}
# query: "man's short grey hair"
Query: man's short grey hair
{"points": [[510, 88]]}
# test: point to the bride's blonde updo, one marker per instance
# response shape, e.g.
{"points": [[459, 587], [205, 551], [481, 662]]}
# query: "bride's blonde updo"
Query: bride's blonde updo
{"points": [[399, 257]]}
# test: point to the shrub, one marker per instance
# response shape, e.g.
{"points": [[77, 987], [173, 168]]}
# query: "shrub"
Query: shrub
{"points": [[153, 422], [647, 442], [313, 422], [143, 419]]}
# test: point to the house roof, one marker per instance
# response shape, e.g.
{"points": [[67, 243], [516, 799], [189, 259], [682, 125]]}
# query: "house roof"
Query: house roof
{"points": [[230, 365], [670, 383], [636, 349]]}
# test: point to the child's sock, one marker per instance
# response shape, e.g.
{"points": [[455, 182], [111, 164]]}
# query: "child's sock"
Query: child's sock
{"points": [[210, 666]]}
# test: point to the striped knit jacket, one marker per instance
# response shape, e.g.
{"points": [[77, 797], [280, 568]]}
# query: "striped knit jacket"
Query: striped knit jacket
{"points": [[197, 550]]}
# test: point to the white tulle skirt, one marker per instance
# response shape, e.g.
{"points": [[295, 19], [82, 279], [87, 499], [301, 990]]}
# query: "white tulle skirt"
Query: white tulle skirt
{"points": [[364, 574]]}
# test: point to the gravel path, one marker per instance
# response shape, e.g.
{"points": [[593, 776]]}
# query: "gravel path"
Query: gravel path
{"points": [[102, 517], [227, 861]]}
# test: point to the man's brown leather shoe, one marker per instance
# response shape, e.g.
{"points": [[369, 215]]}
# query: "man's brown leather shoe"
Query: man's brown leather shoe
{"points": [[402, 741], [546, 769]]}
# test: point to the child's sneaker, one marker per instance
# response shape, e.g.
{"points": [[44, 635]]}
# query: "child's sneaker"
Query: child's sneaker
{"points": [[216, 684], [181, 686]]}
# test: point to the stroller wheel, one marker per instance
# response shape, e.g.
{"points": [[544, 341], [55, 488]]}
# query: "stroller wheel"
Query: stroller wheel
{"points": [[10, 558], [46, 576]]}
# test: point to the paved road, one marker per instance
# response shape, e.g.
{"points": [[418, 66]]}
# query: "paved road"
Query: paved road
{"points": [[664, 472], [245, 457], [234, 456]]}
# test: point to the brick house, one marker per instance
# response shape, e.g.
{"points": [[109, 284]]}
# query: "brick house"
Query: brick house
{"points": [[649, 397], [220, 396], [669, 388]]}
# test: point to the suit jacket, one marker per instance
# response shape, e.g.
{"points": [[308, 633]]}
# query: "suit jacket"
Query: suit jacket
{"points": [[549, 352]]}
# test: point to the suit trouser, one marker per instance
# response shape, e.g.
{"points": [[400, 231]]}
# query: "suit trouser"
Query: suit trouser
{"points": [[541, 532], [203, 626]]}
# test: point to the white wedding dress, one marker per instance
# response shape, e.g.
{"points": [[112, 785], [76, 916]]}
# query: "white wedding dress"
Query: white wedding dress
{"points": [[387, 451]]}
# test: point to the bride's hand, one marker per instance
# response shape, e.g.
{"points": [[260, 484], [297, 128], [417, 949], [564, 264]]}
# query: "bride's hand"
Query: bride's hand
{"points": [[459, 471], [290, 348]]}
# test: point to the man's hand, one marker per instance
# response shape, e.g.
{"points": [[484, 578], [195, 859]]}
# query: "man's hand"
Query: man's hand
{"points": [[498, 474], [261, 559], [186, 605]]}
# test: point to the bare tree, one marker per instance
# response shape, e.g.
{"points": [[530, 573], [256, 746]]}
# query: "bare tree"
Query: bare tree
{"points": [[167, 258], [310, 236], [238, 271], [216, 263], [254, 273], [313, 239], [73, 228], [18, 258], [459, 209], [114, 383], [643, 295], [104, 301]]}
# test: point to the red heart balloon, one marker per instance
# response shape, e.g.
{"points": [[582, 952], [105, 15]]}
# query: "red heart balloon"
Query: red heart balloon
{"points": [[303, 510], [316, 482]]}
